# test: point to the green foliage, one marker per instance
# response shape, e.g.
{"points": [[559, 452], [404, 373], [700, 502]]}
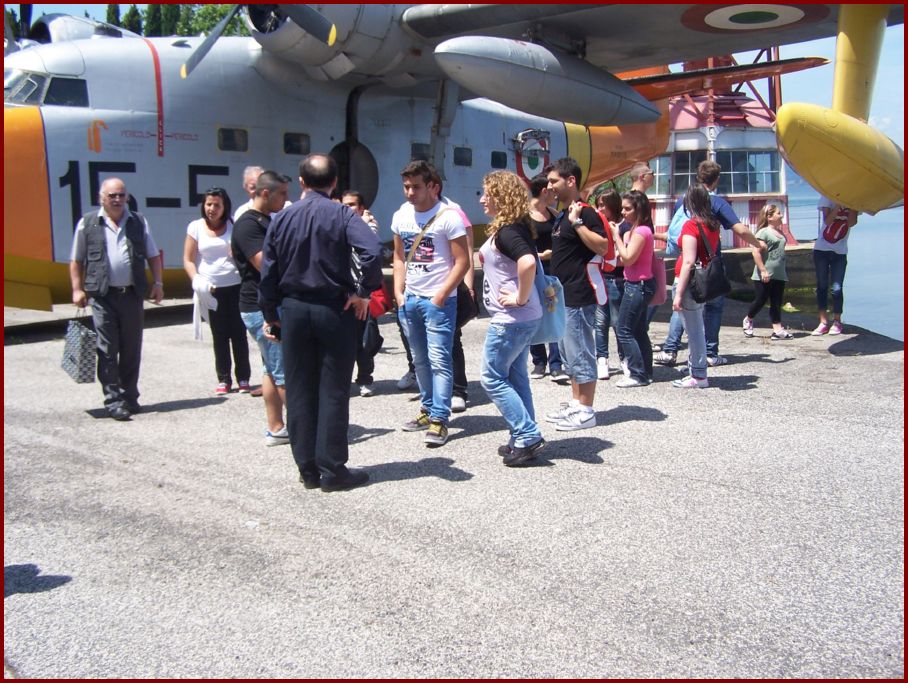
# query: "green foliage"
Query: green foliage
{"points": [[153, 20], [207, 17], [113, 15], [132, 20], [185, 23], [13, 20], [170, 17]]}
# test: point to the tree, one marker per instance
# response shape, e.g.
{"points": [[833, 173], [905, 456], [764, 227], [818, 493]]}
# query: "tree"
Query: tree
{"points": [[170, 17], [207, 17], [132, 20], [113, 15], [153, 20], [13, 20], [187, 19]]}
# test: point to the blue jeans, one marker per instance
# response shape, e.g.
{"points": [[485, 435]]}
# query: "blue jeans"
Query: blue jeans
{"points": [[712, 322], [540, 357], [638, 352], [430, 330], [692, 315], [830, 268], [272, 353], [578, 346], [607, 316], [504, 378]]}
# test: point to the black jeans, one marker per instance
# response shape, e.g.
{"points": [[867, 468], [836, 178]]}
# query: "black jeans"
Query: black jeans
{"points": [[227, 329], [319, 344]]}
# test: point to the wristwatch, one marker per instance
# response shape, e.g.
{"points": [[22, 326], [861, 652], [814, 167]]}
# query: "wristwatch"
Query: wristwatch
{"points": [[577, 223]]}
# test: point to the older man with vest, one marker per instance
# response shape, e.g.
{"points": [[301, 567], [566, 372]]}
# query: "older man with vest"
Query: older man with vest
{"points": [[107, 268]]}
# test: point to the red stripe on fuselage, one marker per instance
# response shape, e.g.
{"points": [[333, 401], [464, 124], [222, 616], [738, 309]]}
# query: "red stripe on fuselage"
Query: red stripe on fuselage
{"points": [[159, 94]]}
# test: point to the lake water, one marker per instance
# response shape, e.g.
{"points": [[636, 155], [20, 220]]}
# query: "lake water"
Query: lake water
{"points": [[875, 278]]}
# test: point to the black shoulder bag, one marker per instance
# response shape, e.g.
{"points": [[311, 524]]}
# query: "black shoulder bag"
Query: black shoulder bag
{"points": [[710, 282]]}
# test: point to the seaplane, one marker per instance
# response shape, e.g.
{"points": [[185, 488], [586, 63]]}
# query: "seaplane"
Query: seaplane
{"points": [[471, 88]]}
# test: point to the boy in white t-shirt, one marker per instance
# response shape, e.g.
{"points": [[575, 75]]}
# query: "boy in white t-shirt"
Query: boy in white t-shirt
{"points": [[428, 265]]}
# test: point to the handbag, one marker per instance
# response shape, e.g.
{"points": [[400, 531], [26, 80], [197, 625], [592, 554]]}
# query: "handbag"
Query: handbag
{"points": [[659, 274], [379, 302], [467, 306], [554, 314], [710, 282], [80, 350]]}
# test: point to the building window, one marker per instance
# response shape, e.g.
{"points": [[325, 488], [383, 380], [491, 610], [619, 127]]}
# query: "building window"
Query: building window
{"points": [[748, 172], [463, 156], [419, 151], [499, 160], [233, 140], [67, 92], [685, 170], [662, 167], [296, 143]]}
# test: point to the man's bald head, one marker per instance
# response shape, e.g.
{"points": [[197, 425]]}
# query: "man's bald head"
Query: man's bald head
{"points": [[318, 172]]}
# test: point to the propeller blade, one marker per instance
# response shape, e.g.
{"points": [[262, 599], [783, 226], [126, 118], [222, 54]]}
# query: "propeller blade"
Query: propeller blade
{"points": [[311, 21], [208, 43]]}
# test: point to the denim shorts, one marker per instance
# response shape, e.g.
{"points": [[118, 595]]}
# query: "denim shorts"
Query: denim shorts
{"points": [[578, 346], [272, 354]]}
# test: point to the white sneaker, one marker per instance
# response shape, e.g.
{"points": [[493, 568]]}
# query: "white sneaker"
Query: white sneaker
{"points": [[579, 417], [558, 415], [629, 381], [408, 381], [278, 438], [713, 361], [690, 383], [602, 368], [366, 390], [458, 404], [624, 370]]}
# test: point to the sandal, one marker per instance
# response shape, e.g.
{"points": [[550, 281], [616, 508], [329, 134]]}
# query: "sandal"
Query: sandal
{"points": [[781, 334]]}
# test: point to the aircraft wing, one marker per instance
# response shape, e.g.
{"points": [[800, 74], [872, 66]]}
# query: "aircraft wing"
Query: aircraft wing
{"points": [[624, 37]]}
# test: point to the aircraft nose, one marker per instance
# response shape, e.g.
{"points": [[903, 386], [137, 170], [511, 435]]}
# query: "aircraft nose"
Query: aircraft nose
{"points": [[27, 246]]}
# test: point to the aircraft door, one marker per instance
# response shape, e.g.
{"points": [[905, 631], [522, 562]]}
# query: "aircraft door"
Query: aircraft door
{"points": [[357, 169]]}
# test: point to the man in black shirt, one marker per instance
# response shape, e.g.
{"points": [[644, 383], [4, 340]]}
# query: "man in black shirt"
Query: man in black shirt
{"points": [[577, 238], [269, 196], [306, 272]]}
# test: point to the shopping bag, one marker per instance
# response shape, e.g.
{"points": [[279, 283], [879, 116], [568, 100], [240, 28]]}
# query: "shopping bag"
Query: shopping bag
{"points": [[80, 350]]}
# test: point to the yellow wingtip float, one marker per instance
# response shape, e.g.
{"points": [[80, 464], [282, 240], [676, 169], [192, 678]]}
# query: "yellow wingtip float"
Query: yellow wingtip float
{"points": [[841, 157], [835, 150]]}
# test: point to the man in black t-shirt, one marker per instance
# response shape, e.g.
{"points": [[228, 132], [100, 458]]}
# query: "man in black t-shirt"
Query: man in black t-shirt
{"points": [[577, 238], [248, 237]]}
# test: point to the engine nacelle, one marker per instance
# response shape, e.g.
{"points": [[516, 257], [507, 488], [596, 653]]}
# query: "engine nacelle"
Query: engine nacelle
{"points": [[369, 39], [55, 28]]}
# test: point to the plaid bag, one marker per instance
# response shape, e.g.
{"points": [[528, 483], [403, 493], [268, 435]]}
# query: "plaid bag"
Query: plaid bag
{"points": [[79, 350]]}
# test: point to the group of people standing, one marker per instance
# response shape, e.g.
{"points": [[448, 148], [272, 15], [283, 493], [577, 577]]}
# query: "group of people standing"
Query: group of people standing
{"points": [[299, 277]]}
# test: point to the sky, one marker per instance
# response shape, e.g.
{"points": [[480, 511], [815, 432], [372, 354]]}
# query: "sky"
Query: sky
{"points": [[813, 86]]}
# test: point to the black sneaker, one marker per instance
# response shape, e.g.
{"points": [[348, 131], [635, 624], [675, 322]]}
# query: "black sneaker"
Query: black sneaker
{"points": [[538, 371], [521, 457], [560, 377], [349, 480], [310, 481], [505, 451]]}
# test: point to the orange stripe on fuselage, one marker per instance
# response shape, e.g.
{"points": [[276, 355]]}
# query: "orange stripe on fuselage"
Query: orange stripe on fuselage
{"points": [[26, 206]]}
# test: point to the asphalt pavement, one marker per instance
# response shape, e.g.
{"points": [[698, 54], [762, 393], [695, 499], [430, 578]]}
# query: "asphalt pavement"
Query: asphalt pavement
{"points": [[753, 529]]}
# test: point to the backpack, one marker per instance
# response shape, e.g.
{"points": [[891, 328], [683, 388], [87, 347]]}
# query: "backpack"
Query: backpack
{"points": [[672, 248], [610, 257]]}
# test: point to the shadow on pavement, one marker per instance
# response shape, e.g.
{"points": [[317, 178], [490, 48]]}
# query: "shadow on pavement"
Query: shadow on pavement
{"points": [[24, 578], [409, 469]]}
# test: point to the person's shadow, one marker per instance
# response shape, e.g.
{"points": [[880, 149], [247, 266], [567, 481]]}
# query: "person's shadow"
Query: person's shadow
{"points": [[410, 469], [24, 578]]}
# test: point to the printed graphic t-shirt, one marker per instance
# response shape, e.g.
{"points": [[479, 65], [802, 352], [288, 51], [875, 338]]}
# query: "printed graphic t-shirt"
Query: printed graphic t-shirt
{"points": [[430, 264]]}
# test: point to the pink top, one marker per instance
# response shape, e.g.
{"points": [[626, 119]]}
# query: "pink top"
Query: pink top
{"points": [[642, 268]]}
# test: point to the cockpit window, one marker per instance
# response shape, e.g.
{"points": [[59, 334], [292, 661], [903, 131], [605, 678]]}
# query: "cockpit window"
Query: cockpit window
{"points": [[67, 92], [25, 87], [22, 87]]}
